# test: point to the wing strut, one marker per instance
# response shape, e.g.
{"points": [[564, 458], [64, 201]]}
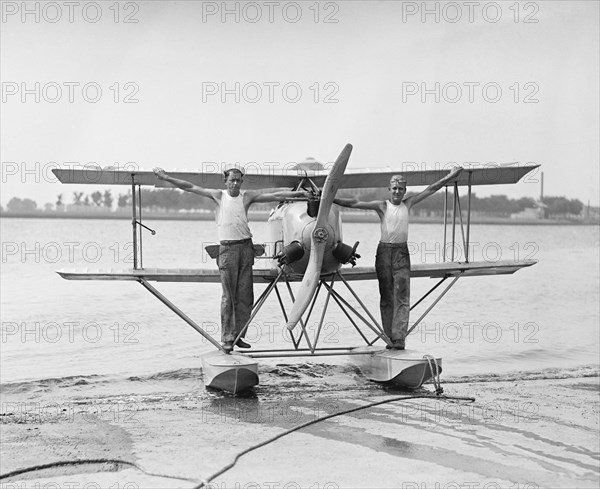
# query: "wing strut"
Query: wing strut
{"points": [[434, 302], [180, 313]]}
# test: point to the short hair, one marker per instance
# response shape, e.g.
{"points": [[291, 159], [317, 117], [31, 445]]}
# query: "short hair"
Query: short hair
{"points": [[398, 179], [229, 170]]}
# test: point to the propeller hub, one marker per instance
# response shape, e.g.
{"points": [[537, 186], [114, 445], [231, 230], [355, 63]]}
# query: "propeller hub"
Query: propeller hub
{"points": [[320, 234]]}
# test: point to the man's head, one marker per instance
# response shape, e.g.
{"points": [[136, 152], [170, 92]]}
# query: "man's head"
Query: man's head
{"points": [[397, 189], [234, 177]]}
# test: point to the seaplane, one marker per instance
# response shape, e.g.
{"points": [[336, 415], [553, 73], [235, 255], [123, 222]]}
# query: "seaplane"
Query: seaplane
{"points": [[307, 248]]}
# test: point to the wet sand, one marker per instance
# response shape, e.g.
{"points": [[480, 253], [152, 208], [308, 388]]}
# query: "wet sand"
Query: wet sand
{"points": [[521, 434]]}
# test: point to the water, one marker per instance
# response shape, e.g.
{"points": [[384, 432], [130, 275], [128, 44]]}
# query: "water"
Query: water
{"points": [[543, 317]]}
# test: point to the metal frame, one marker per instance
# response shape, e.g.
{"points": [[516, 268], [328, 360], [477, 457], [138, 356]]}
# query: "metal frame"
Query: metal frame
{"points": [[312, 347], [137, 221], [456, 206]]}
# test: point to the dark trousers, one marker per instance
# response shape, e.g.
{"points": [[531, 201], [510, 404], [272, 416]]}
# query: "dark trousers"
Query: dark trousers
{"points": [[235, 266], [392, 265]]}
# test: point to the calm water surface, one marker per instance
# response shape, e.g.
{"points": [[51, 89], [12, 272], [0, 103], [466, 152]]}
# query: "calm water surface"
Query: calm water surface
{"points": [[542, 317]]}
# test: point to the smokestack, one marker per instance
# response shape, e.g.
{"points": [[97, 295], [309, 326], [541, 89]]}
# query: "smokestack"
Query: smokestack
{"points": [[542, 188]]}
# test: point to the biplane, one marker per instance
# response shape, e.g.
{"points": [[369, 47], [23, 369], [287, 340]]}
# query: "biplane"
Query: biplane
{"points": [[307, 247]]}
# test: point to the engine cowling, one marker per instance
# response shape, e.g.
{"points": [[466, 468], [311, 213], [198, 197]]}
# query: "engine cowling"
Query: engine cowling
{"points": [[294, 224]]}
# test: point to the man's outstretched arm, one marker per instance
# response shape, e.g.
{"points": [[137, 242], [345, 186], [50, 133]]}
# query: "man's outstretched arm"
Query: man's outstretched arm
{"points": [[374, 205], [433, 188], [185, 185], [277, 196]]}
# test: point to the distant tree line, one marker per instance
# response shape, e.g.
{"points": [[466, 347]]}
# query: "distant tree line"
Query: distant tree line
{"points": [[97, 199], [495, 205], [561, 206], [172, 200], [21, 205]]}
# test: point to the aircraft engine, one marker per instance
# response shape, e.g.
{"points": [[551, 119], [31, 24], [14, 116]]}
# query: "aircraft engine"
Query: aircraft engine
{"points": [[290, 253], [291, 229], [345, 253]]}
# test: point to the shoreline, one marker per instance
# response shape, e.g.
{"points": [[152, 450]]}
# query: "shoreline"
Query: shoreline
{"points": [[263, 217], [541, 432]]}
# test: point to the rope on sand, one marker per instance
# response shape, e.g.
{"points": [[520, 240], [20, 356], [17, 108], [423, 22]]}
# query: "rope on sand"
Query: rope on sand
{"points": [[206, 482], [88, 461]]}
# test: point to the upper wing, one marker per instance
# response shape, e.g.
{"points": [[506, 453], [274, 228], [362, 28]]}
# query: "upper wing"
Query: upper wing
{"points": [[100, 176], [491, 175]]}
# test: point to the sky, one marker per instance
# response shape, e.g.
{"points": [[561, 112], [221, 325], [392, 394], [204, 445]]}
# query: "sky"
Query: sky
{"points": [[187, 84]]}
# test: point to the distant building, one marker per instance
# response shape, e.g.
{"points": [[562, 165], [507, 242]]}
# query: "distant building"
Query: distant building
{"points": [[529, 214]]}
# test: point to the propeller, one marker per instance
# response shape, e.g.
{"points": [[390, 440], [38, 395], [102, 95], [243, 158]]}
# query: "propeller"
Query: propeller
{"points": [[318, 240]]}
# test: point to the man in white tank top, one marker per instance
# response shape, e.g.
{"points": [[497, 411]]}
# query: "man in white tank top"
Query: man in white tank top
{"points": [[392, 262], [236, 251]]}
